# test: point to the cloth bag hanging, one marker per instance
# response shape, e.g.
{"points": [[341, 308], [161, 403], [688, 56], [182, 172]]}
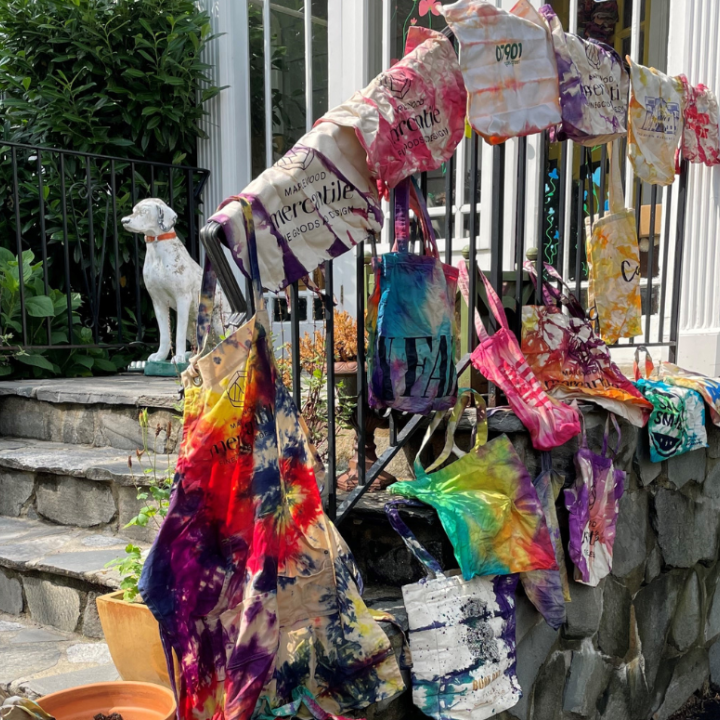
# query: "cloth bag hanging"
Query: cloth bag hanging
{"points": [[593, 505], [314, 204], [462, 638], [411, 320], [677, 422], [252, 586], [655, 123], [411, 117], [700, 138], [508, 63], [549, 590], [707, 387], [498, 357], [569, 359], [485, 500], [593, 86], [614, 265]]}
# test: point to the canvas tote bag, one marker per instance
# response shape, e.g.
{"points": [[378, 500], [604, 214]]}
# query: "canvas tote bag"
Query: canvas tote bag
{"points": [[593, 86], [462, 637], [411, 117], [614, 265], [411, 320], [508, 63], [700, 141], [314, 204], [568, 357], [655, 123], [498, 357], [593, 505], [709, 388], [677, 422]]}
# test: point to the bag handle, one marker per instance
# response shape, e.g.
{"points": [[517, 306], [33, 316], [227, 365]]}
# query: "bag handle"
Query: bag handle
{"points": [[481, 430], [409, 197], [209, 279], [606, 436], [617, 198], [413, 544], [649, 365], [552, 296], [494, 302]]}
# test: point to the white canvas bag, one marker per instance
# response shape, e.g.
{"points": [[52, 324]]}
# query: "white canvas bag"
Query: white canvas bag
{"points": [[508, 62], [462, 637]]}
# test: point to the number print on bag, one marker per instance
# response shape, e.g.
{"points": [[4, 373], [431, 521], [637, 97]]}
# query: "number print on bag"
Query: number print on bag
{"points": [[509, 53]]}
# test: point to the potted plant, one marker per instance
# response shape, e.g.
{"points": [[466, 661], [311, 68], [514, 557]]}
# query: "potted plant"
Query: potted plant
{"points": [[131, 632]]}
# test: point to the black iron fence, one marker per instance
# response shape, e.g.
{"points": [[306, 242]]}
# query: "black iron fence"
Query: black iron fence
{"points": [[63, 209]]}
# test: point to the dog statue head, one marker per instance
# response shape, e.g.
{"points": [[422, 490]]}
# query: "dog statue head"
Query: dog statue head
{"points": [[150, 217]]}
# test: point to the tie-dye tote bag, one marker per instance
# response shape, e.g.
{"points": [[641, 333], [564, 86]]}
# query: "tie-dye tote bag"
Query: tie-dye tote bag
{"points": [[677, 422], [593, 504], [568, 357], [700, 137], [614, 264], [462, 638], [593, 86], [655, 123], [250, 582], [709, 388], [411, 320], [314, 204], [412, 116], [498, 357], [549, 590], [486, 501], [508, 63]]}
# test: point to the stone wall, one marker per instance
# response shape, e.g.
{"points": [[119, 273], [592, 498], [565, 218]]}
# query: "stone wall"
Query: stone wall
{"points": [[638, 645], [648, 636]]}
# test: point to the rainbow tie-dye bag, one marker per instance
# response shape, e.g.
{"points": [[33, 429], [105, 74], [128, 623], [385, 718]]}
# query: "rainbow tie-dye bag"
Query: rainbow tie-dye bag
{"points": [[411, 320]]}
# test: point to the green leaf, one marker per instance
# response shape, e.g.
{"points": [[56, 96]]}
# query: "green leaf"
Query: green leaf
{"points": [[26, 82], [103, 364], [35, 360], [39, 306]]}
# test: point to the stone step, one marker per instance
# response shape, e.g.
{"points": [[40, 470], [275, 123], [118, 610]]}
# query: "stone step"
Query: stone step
{"points": [[54, 574], [76, 485], [92, 411], [38, 660]]}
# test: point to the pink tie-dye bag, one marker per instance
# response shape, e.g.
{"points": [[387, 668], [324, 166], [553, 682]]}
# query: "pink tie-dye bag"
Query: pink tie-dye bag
{"points": [[411, 117], [700, 142]]}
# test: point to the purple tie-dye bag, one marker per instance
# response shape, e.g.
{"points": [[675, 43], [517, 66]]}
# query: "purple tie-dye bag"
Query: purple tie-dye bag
{"points": [[411, 320]]}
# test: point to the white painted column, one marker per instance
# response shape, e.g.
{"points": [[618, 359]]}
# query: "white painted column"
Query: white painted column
{"points": [[226, 153], [693, 49]]}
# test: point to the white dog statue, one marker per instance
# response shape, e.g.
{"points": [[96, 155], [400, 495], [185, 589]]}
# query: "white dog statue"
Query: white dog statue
{"points": [[171, 277]]}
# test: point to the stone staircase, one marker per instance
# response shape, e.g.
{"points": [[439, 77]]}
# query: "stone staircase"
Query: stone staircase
{"points": [[67, 489]]}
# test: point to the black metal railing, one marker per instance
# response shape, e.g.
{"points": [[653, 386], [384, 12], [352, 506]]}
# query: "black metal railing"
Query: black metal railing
{"points": [[560, 241], [65, 208]]}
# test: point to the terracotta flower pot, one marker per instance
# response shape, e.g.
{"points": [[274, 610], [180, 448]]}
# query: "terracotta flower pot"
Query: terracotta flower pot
{"points": [[133, 638], [133, 700], [346, 373]]}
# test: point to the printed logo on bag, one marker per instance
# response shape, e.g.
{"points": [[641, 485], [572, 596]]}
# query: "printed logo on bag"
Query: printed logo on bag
{"points": [[661, 116], [669, 422], [236, 390], [397, 84], [296, 159], [508, 53], [630, 270]]}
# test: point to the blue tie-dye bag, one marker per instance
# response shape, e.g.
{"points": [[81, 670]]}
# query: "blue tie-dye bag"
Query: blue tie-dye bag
{"points": [[411, 319]]}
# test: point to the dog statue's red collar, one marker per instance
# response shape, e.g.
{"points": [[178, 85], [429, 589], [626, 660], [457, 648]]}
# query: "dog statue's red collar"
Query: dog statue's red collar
{"points": [[166, 236]]}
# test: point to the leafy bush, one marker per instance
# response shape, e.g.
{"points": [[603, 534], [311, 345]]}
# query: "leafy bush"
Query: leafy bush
{"points": [[46, 323], [105, 75]]}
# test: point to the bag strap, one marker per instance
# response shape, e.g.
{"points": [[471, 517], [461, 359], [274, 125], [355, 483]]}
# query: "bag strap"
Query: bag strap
{"points": [[408, 197], [606, 436], [494, 302], [546, 461], [551, 295], [413, 544], [209, 279], [649, 365], [481, 429], [617, 198]]}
